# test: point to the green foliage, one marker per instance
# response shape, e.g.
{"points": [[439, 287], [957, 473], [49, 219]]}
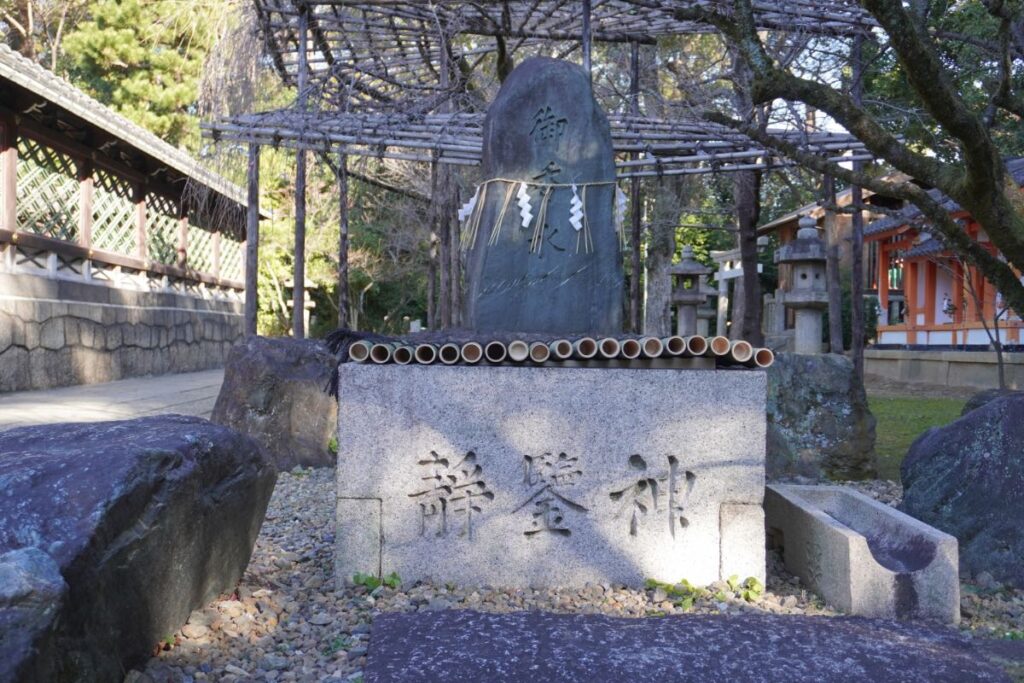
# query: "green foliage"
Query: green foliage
{"points": [[143, 59], [337, 644], [332, 446], [1014, 635], [372, 582]]}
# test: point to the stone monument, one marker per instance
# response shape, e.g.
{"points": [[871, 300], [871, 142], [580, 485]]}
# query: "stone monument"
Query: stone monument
{"points": [[544, 253]]}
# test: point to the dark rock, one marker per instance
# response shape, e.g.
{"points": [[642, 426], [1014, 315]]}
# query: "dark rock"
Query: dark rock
{"points": [[274, 391], [462, 645], [987, 396], [545, 118], [112, 533], [819, 423], [967, 479]]}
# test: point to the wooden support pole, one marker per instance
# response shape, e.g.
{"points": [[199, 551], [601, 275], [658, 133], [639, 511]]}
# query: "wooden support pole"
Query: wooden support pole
{"points": [[439, 212], [587, 41], [635, 199], [183, 236], [9, 175], [141, 250], [832, 275], [252, 241], [343, 303], [857, 227], [86, 192], [299, 272], [216, 253]]}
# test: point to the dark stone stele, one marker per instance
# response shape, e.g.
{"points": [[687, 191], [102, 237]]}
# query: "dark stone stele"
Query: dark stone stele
{"points": [[274, 391], [545, 126], [112, 533], [967, 479], [474, 646]]}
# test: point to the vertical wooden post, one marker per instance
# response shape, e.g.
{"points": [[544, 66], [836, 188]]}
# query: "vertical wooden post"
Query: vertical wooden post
{"points": [[252, 241], [183, 236], [86, 191], [883, 281], [139, 199], [216, 254], [299, 276], [857, 228], [441, 229], [343, 304], [635, 199], [587, 41], [9, 175], [832, 275]]}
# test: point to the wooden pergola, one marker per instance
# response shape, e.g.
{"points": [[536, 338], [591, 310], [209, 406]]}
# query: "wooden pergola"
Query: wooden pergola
{"points": [[384, 79]]}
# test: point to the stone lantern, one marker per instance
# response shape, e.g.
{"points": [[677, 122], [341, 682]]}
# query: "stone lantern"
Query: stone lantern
{"points": [[808, 292], [689, 290]]}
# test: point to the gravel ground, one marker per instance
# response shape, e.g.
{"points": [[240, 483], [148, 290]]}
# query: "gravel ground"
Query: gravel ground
{"points": [[286, 621]]}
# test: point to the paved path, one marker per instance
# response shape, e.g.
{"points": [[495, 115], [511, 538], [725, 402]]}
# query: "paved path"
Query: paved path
{"points": [[192, 393], [462, 645]]}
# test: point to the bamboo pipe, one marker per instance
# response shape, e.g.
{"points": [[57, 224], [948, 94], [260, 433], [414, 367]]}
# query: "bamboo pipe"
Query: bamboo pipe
{"points": [[381, 353], [719, 345], [561, 349], [359, 351], [608, 347], [584, 348], [741, 351], [630, 349], [426, 354], [763, 358], [651, 347], [403, 355], [495, 352], [696, 345], [518, 350], [539, 352], [450, 353], [472, 352], [674, 345]]}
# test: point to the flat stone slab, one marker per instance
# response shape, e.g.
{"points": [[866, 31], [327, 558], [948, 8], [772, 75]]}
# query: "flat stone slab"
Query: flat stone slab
{"points": [[520, 476], [463, 645]]}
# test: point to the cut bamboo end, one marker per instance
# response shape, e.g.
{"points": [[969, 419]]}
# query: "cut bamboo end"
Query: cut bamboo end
{"points": [[719, 345], [585, 348], [359, 351], [608, 347], [403, 355], [495, 352], [651, 347], [763, 358], [426, 354], [380, 353], [561, 349], [741, 351], [630, 349], [696, 345], [674, 345], [472, 352], [518, 351], [539, 352], [449, 353]]}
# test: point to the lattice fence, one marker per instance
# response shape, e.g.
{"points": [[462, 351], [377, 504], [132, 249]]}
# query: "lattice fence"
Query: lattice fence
{"points": [[200, 249], [48, 192], [113, 214], [231, 259], [161, 229]]}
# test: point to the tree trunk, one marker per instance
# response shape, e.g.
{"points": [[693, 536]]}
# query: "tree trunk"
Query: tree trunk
{"points": [[669, 196]]}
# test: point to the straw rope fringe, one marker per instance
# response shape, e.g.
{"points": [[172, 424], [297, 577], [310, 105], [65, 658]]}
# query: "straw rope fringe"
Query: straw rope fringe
{"points": [[473, 223], [510, 193]]}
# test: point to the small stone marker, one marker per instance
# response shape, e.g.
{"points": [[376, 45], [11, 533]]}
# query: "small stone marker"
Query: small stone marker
{"points": [[531, 266]]}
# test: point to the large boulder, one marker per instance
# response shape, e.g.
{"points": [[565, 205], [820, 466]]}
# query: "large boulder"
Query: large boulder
{"points": [[274, 391], [111, 533], [987, 396], [819, 424], [967, 479]]}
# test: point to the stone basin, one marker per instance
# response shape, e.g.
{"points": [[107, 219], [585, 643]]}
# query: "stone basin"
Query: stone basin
{"points": [[862, 556]]}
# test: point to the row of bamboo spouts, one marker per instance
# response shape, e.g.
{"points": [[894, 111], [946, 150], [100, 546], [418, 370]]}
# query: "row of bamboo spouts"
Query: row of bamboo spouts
{"points": [[722, 349]]}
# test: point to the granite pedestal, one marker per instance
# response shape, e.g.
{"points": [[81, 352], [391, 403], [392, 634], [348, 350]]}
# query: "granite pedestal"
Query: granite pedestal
{"points": [[527, 476]]}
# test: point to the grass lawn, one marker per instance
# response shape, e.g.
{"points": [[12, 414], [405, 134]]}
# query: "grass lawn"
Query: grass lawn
{"points": [[901, 420]]}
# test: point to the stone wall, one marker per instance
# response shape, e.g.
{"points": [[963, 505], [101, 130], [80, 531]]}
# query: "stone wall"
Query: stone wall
{"points": [[949, 368], [60, 332]]}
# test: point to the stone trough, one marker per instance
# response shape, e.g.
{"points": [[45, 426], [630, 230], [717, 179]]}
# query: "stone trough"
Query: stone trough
{"points": [[862, 556]]}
